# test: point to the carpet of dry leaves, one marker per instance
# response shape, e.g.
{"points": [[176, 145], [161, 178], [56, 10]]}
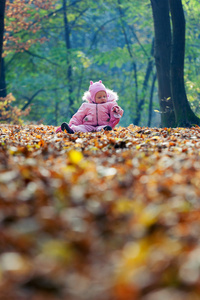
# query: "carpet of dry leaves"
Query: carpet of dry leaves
{"points": [[99, 216]]}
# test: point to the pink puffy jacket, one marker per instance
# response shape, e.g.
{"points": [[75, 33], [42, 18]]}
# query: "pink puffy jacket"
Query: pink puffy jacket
{"points": [[90, 113]]}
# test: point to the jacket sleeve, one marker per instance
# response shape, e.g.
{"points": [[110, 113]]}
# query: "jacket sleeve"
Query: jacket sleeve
{"points": [[77, 118], [116, 112]]}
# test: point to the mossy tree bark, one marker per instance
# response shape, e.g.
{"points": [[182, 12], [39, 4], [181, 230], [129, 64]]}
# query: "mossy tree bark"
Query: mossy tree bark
{"points": [[2, 13], [169, 57], [162, 51], [184, 114], [3, 92]]}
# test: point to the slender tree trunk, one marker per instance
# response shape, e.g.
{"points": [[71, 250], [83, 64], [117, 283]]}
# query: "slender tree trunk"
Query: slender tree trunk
{"points": [[139, 103], [184, 114], [121, 13], [144, 88], [151, 100], [56, 109], [2, 13], [136, 86], [162, 54], [3, 92], [30, 99], [69, 66]]}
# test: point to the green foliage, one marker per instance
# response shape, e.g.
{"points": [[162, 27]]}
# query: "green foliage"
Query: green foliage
{"points": [[99, 50], [192, 57]]}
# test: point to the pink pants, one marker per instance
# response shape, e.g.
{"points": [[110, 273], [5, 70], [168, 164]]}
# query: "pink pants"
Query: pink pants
{"points": [[86, 128]]}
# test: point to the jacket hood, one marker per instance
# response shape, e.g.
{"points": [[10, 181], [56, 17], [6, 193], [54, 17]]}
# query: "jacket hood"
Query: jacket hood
{"points": [[112, 96]]}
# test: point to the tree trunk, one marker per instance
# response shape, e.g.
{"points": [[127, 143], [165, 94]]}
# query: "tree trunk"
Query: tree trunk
{"points": [[136, 88], [3, 92], [184, 114], [162, 53], [2, 12], [139, 103], [151, 100], [144, 87], [69, 67]]}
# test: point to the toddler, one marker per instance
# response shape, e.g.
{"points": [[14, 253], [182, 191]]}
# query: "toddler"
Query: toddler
{"points": [[100, 111]]}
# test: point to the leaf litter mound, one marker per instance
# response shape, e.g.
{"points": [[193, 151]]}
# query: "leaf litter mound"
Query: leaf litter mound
{"points": [[110, 215]]}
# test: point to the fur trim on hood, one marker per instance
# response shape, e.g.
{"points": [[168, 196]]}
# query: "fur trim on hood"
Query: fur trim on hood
{"points": [[112, 96]]}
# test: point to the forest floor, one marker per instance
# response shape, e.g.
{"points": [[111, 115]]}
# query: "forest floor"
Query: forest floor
{"points": [[99, 216]]}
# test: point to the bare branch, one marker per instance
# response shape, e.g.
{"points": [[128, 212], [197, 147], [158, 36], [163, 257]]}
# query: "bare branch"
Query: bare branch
{"points": [[39, 56], [137, 39], [31, 98]]}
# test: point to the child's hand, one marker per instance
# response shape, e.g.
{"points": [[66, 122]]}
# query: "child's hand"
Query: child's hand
{"points": [[117, 111]]}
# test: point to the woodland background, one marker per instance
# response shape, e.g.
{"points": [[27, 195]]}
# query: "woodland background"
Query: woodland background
{"points": [[111, 215], [53, 49]]}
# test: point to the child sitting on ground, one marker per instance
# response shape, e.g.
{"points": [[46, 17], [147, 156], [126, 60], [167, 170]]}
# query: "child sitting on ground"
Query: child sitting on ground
{"points": [[100, 111]]}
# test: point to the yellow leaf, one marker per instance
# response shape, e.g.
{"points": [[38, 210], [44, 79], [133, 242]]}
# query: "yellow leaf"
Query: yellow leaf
{"points": [[57, 250], [149, 216], [124, 206], [75, 157]]}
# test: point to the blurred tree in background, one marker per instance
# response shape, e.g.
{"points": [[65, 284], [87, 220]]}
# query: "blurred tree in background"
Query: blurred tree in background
{"points": [[2, 12], [170, 36]]}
